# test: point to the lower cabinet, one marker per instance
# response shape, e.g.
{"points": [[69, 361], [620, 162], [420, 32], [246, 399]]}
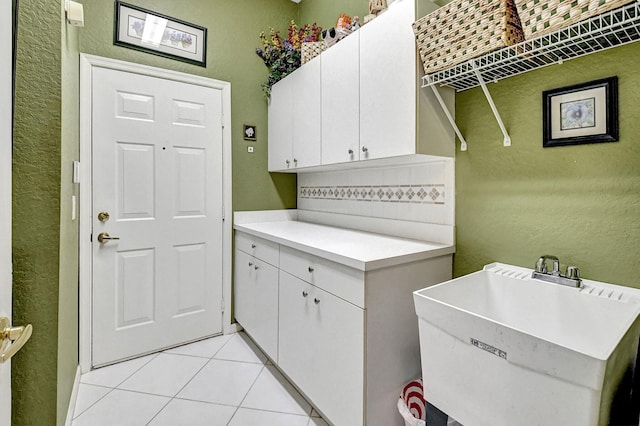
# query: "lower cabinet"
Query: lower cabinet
{"points": [[348, 339], [256, 300], [321, 348]]}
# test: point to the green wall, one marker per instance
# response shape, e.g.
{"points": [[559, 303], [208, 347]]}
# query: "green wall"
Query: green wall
{"points": [[580, 203], [36, 210], [233, 29]]}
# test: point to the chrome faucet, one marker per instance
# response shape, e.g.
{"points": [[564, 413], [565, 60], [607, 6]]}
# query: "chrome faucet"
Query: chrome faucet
{"points": [[571, 278]]}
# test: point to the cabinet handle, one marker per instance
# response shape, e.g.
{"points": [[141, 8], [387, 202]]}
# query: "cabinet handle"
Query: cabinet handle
{"points": [[304, 293], [295, 160], [288, 162], [350, 152], [316, 300], [253, 246], [310, 269], [250, 264], [365, 149], [255, 267]]}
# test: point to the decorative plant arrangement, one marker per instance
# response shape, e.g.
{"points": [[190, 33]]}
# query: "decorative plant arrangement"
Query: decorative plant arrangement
{"points": [[283, 56]]}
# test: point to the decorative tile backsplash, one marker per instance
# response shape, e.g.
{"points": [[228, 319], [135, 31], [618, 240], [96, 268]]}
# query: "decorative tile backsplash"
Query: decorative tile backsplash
{"points": [[418, 193], [408, 193]]}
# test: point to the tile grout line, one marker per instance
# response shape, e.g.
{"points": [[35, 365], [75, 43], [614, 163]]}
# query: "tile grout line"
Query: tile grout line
{"points": [[75, 416], [245, 395], [211, 358], [110, 387]]}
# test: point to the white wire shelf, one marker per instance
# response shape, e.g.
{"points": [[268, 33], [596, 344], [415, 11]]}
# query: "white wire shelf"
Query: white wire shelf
{"points": [[610, 29]]}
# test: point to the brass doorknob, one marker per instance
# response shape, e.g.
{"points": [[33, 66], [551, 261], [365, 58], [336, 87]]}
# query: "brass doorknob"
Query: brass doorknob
{"points": [[104, 237], [18, 335]]}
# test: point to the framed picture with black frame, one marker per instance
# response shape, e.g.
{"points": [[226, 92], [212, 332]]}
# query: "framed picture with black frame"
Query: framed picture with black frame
{"points": [[151, 32], [581, 114]]}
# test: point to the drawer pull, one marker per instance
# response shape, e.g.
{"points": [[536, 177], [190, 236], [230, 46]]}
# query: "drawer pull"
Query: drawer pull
{"points": [[304, 293], [255, 267], [316, 300], [253, 246], [250, 264], [310, 269]]}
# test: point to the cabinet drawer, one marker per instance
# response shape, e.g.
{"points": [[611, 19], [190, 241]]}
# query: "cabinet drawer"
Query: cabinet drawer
{"points": [[258, 247], [342, 281]]}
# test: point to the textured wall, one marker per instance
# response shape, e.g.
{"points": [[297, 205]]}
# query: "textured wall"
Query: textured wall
{"points": [[36, 210], [233, 29], [580, 203]]}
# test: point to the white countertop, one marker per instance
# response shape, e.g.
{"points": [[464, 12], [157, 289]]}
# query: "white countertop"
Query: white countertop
{"points": [[360, 250]]}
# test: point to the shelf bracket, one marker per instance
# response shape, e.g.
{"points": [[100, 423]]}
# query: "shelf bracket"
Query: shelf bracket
{"points": [[507, 138], [463, 142]]}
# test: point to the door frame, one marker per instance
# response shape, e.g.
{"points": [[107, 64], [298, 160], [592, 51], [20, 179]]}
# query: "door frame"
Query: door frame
{"points": [[87, 64], [6, 147]]}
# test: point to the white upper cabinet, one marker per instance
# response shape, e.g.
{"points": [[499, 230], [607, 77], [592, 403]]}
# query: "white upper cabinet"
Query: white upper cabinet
{"points": [[294, 119], [280, 126], [361, 100], [388, 83], [340, 77], [306, 115]]}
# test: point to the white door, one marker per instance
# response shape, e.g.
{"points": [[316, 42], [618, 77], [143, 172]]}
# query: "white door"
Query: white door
{"points": [[157, 174], [5, 197]]}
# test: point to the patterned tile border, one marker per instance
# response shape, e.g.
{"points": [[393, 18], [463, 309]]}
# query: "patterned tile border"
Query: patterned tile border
{"points": [[414, 194]]}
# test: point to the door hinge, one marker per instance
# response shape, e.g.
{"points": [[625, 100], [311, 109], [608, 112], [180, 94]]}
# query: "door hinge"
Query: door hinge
{"points": [[76, 172]]}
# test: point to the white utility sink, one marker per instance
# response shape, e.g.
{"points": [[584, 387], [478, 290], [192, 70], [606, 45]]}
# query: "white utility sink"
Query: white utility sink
{"points": [[501, 348]]}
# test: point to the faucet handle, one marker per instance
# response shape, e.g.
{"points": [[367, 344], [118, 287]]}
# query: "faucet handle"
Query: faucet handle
{"points": [[573, 272], [541, 264]]}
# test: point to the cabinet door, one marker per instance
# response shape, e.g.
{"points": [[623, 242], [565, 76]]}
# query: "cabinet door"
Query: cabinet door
{"points": [[388, 83], [280, 136], [341, 101], [256, 301], [321, 348], [306, 114]]}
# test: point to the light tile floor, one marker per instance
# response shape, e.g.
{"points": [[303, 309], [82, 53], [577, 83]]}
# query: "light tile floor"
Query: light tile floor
{"points": [[225, 380]]}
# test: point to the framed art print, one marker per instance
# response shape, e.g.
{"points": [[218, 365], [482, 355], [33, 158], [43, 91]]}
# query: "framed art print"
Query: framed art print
{"points": [[580, 114], [151, 32]]}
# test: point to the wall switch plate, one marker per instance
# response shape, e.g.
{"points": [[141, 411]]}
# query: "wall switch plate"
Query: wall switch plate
{"points": [[250, 149]]}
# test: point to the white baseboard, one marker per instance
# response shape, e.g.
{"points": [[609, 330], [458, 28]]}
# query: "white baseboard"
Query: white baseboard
{"points": [[234, 328], [74, 396]]}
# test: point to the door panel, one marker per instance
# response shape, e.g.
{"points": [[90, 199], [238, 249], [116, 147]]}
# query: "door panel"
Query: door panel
{"points": [[157, 171], [135, 288]]}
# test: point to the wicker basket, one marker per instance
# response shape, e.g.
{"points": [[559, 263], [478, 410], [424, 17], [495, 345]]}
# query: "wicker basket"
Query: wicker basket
{"points": [[464, 29], [541, 17], [312, 49]]}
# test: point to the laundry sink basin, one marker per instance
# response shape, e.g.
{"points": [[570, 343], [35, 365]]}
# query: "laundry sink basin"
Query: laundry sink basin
{"points": [[501, 348]]}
